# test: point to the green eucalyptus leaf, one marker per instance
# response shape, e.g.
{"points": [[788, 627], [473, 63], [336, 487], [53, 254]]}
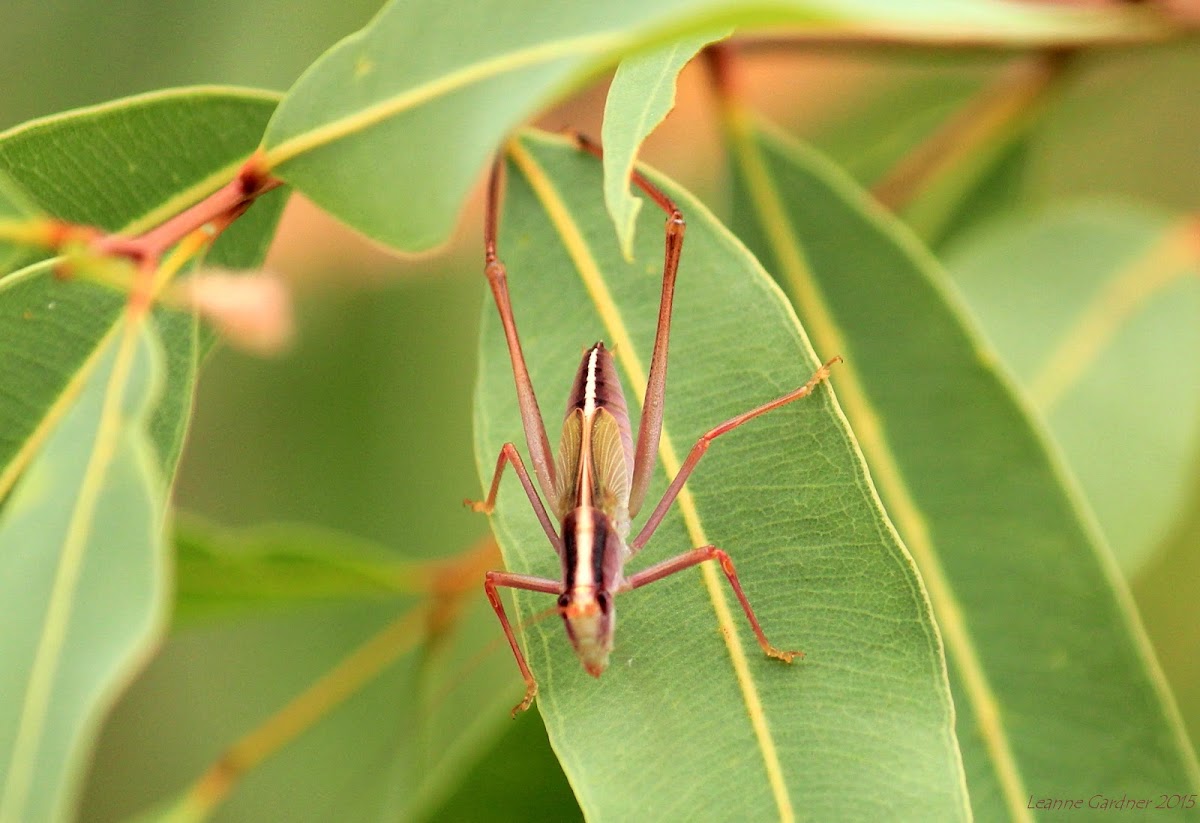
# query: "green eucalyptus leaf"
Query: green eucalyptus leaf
{"points": [[1171, 610], [1056, 689], [997, 189], [904, 99], [122, 166], [424, 703], [1141, 100], [125, 166], [986, 180], [14, 203], [390, 128], [1094, 308], [519, 781], [15, 207], [697, 723], [945, 141], [83, 576], [362, 427], [392, 750], [641, 95]]}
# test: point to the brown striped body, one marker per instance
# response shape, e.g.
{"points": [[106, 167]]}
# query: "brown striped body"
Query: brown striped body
{"points": [[594, 467]]}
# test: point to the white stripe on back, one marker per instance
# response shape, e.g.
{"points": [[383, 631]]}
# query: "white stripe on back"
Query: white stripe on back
{"points": [[589, 390], [585, 545]]}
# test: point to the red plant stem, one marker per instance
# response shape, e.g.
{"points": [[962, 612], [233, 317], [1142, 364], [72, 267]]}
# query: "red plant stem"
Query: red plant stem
{"points": [[228, 202], [996, 112], [140, 297], [1166, 25]]}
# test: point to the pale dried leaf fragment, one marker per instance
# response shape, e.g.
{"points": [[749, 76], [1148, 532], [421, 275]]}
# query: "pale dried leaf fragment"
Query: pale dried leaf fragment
{"points": [[251, 310]]}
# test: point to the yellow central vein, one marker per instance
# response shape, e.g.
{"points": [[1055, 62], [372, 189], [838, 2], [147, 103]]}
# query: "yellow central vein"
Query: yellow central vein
{"points": [[171, 206], [1174, 255], [53, 413], [58, 612], [868, 430], [369, 116], [55, 410], [594, 281]]}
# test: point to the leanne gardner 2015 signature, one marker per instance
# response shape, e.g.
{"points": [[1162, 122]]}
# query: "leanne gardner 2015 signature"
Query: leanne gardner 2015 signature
{"points": [[1103, 801]]}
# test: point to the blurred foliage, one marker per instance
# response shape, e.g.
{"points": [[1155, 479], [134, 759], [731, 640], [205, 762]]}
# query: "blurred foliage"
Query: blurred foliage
{"points": [[75, 54], [1115, 134], [341, 432], [364, 426]]}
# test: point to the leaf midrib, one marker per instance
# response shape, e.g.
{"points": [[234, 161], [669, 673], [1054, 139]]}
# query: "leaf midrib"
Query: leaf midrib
{"points": [[410, 98], [869, 431], [53, 636], [594, 282], [1167, 259]]}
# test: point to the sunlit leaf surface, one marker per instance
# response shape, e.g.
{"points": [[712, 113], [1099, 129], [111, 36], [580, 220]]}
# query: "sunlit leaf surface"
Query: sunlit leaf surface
{"points": [[641, 94], [83, 578]]}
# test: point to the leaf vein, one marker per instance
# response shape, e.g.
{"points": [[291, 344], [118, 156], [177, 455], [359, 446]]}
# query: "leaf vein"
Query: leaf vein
{"points": [[58, 613], [870, 432]]}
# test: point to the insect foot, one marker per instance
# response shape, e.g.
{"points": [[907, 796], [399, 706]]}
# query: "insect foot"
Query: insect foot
{"points": [[785, 656], [479, 506], [530, 693]]}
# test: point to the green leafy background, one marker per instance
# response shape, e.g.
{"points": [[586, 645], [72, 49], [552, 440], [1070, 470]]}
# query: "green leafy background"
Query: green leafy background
{"points": [[978, 495]]}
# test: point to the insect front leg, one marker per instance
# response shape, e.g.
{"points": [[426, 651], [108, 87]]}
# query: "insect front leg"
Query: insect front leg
{"points": [[695, 557], [509, 454], [650, 427], [517, 581]]}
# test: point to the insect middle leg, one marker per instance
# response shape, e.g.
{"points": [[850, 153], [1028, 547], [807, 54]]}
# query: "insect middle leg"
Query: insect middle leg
{"points": [[509, 454], [528, 583], [695, 557], [531, 415]]}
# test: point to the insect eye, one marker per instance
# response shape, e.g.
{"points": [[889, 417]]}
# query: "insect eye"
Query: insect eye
{"points": [[564, 600]]}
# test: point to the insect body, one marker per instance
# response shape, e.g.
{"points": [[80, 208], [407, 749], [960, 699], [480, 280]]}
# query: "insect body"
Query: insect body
{"points": [[591, 500], [598, 480]]}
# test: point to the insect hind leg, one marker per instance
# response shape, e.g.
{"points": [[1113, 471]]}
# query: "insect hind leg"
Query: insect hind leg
{"points": [[700, 555], [650, 428]]}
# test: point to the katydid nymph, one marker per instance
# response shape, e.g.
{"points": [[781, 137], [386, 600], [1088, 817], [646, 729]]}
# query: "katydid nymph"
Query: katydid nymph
{"points": [[599, 479]]}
